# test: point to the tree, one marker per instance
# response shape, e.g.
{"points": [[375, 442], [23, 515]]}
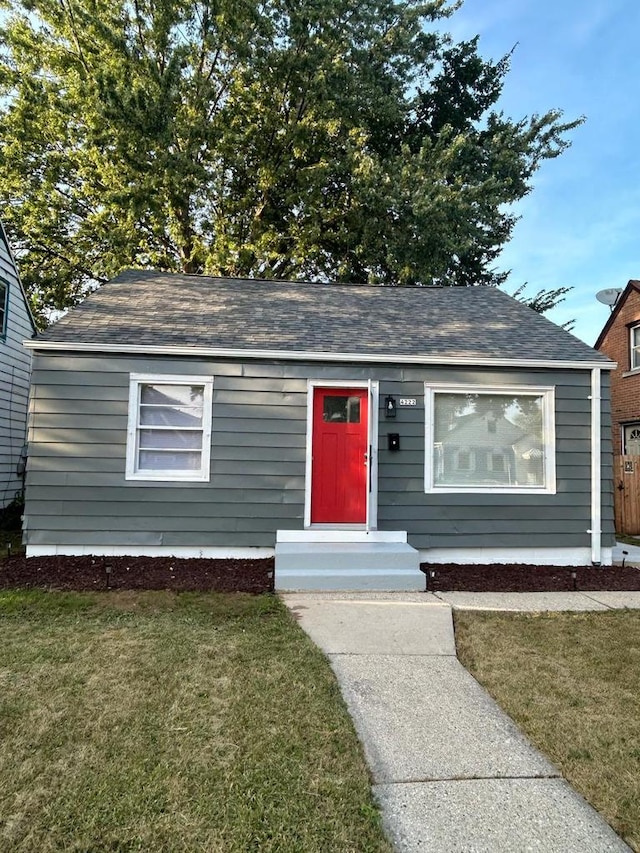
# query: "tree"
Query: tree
{"points": [[544, 300], [326, 139]]}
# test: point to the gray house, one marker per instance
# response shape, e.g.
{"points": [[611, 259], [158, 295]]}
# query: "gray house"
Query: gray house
{"points": [[352, 431], [16, 324]]}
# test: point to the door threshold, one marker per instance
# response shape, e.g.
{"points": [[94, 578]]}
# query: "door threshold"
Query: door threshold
{"points": [[335, 534]]}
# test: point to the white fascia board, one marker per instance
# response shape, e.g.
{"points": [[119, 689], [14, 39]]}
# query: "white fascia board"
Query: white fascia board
{"points": [[300, 355]]}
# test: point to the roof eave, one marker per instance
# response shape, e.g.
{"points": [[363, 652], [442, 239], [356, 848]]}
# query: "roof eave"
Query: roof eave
{"points": [[299, 355], [633, 284]]}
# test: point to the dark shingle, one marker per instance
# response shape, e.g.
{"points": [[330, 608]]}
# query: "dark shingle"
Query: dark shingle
{"points": [[148, 308]]}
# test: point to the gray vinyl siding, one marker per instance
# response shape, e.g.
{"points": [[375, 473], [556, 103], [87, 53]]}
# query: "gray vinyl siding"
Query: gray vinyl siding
{"points": [[77, 493], [450, 520], [76, 489], [15, 370]]}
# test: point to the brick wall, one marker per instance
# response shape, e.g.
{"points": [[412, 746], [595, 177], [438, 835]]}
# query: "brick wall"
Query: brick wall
{"points": [[625, 390]]}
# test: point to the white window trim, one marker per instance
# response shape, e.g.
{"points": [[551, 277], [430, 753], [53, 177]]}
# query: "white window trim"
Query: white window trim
{"points": [[548, 423], [138, 379], [634, 349]]}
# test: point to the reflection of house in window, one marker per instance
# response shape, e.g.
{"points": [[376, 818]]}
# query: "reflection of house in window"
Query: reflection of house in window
{"points": [[529, 460], [463, 459], [438, 460], [497, 462], [489, 439], [341, 409], [478, 448]]}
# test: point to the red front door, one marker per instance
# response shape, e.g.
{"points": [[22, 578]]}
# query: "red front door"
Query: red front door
{"points": [[339, 470]]}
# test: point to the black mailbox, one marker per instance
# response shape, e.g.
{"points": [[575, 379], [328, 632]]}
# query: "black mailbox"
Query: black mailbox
{"points": [[393, 439]]}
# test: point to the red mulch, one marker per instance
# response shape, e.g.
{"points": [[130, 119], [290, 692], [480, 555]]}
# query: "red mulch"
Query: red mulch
{"points": [[523, 578], [84, 573]]}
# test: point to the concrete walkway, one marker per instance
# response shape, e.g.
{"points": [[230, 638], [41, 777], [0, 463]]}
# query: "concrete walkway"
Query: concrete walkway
{"points": [[451, 771], [536, 601], [628, 553]]}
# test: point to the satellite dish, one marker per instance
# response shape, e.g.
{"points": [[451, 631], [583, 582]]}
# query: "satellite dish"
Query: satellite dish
{"points": [[609, 296]]}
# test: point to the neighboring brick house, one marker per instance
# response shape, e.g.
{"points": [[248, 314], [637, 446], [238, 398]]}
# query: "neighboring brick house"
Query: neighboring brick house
{"points": [[620, 341]]}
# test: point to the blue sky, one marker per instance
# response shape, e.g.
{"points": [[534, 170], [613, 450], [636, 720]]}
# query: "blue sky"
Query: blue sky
{"points": [[580, 225]]}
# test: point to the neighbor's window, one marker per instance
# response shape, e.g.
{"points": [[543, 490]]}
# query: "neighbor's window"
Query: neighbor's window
{"points": [[489, 439], [635, 347], [4, 300], [169, 434]]}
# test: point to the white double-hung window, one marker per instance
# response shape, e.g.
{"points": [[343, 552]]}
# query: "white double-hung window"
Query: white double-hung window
{"points": [[169, 431], [489, 439], [634, 347]]}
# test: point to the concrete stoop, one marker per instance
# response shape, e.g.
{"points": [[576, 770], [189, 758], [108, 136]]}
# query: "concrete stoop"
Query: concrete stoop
{"points": [[347, 565]]}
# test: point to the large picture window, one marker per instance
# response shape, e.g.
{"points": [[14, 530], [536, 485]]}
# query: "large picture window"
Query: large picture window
{"points": [[489, 439], [169, 434]]}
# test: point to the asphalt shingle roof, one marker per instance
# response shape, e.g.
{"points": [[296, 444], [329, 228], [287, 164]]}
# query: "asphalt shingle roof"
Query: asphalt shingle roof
{"points": [[149, 308]]}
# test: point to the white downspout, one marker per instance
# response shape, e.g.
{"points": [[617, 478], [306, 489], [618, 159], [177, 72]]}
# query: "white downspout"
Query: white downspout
{"points": [[596, 469]]}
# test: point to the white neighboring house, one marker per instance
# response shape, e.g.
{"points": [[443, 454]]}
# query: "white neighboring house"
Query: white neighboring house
{"points": [[16, 324]]}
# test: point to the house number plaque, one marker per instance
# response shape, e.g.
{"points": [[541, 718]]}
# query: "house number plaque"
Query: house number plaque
{"points": [[406, 402], [628, 466]]}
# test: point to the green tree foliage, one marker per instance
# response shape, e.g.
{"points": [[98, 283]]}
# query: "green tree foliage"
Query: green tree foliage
{"points": [[325, 139], [544, 300]]}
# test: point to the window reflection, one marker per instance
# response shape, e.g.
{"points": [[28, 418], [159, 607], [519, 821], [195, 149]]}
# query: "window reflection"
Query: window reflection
{"points": [[488, 440], [345, 410]]}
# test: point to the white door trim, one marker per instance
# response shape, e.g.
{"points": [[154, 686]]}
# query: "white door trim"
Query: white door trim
{"points": [[372, 387]]}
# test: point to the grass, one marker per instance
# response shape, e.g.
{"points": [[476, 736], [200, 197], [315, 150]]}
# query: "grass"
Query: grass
{"points": [[627, 540], [572, 683], [173, 722]]}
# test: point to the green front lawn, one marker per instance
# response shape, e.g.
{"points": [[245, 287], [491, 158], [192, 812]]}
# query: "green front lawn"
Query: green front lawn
{"points": [[173, 722], [572, 683]]}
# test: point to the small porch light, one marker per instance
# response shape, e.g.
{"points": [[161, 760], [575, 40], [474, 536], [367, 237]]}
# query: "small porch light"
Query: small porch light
{"points": [[389, 407]]}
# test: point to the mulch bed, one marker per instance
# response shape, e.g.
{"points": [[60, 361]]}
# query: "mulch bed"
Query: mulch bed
{"points": [[90, 573], [257, 576], [524, 578]]}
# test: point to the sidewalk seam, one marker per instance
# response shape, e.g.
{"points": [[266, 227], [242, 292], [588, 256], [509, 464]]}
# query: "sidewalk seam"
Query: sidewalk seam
{"points": [[391, 655], [597, 601], [431, 779]]}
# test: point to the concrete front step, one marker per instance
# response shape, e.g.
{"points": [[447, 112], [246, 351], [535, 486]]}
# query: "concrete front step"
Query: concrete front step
{"points": [[393, 566]]}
